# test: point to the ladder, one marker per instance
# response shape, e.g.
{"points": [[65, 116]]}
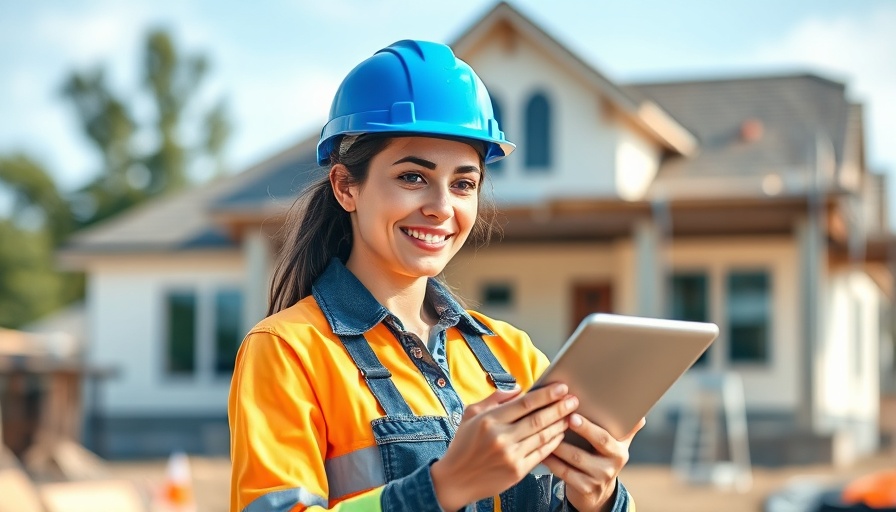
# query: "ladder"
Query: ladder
{"points": [[711, 445]]}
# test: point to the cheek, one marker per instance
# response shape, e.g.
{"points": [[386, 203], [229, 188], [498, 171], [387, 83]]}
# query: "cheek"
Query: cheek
{"points": [[467, 213]]}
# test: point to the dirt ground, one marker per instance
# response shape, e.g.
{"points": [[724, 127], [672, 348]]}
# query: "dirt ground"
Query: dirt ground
{"points": [[654, 487]]}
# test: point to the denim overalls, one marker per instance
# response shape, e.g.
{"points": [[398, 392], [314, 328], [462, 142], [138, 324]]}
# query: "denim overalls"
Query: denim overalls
{"points": [[408, 442]]}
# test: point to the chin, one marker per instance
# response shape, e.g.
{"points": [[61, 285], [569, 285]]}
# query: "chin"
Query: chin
{"points": [[425, 269]]}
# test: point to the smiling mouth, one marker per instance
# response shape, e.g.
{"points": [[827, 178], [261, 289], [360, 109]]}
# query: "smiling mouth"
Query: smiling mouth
{"points": [[425, 237]]}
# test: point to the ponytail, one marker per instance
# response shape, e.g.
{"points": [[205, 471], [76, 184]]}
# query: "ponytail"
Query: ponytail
{"points": [[317, 228]]}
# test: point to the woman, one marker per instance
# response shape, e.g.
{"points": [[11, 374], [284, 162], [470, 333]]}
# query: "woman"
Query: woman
{"points": [[353, 393]]}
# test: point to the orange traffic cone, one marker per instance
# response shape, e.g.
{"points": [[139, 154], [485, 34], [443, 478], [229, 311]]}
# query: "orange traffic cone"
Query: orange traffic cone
{"points": [[877, 490], [176, 493]]}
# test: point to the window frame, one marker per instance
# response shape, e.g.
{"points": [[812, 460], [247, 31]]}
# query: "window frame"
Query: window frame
{"points": [[538, 162], [768, 356], [205, 343]]}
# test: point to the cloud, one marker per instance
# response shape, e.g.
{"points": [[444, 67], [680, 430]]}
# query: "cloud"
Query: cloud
{"points": [[860, 50], [278, 109], [89, 35]]}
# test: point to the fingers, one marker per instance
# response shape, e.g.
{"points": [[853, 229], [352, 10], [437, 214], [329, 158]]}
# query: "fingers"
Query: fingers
{"points": [[526, 404], [544, 450], [599, 438], [610, 457], [595, 484], [537, 443], [628, 437], [590, 473], [495, 399]]}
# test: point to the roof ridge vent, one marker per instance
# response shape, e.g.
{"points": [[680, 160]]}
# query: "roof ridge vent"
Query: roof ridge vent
{"points": [[751, 130]]}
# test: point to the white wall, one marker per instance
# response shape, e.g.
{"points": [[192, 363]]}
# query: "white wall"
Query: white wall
{"points": [[593, 153], [125, 301], [848, 372]]}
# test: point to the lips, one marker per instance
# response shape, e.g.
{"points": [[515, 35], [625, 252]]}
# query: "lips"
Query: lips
{"points": [[425, 236]]}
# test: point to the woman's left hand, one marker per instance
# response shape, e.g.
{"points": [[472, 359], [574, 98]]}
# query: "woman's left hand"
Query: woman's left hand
{"points": [[591, 476]]}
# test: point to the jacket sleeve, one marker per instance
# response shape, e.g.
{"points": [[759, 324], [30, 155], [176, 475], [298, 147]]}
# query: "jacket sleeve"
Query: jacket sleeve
{"points": [[278, 434], [622, 502]]}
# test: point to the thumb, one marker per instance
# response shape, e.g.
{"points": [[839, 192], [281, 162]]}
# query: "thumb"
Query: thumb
{"points": [[495, 399], [503, 395]]}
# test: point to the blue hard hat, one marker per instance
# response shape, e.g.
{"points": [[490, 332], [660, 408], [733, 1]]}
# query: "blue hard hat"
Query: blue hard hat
{"points": [[411, 88]]}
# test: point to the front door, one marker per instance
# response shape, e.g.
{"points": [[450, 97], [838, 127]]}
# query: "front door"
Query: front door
{"points": [[590, 298]]}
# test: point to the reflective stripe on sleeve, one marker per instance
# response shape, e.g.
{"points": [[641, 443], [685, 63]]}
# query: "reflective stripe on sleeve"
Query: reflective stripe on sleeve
{"points": [[355, 471], [285, 500]]}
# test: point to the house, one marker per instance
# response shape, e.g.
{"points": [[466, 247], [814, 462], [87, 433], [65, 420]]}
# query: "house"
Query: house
{"points": [[745, 202]]}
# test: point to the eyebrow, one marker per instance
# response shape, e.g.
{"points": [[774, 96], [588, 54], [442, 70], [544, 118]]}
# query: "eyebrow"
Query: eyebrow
{"points": [[431, 165]]}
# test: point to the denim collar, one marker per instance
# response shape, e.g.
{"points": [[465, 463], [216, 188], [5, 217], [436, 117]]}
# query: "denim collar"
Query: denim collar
{"points": [[352, 310]]}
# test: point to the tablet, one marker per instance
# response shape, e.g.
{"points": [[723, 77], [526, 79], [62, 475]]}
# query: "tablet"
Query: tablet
{"points": [[619, 366]]}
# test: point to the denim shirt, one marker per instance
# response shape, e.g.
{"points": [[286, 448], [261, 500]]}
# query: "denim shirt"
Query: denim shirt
{"points": [[351, 311]]}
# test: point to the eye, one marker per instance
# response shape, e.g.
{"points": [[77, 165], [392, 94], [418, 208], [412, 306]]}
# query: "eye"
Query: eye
{"points": [[411, 177], [466, 185]]}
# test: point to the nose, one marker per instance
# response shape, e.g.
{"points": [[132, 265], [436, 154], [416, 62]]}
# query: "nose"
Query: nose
{"points": [[438, 203]]}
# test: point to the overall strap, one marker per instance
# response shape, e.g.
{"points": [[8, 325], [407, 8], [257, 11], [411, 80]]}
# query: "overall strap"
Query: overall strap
{"points": [[489, 363], [378, 378]]}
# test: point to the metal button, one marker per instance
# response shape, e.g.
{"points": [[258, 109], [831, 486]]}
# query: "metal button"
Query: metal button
{"points": [[417, 352], [441, 382]]}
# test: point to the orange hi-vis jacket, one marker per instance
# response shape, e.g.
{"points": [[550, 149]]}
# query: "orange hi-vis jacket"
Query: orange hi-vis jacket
{"points": [[307, 432]]}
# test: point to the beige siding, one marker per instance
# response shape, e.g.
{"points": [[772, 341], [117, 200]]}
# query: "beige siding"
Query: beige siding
{"points": [[594, 154], [775, 384], [543, 276]]}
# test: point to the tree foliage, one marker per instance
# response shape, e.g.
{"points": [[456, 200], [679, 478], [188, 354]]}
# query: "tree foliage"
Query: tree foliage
{"points": [[37, 219], [134, 170], [141, 156]]}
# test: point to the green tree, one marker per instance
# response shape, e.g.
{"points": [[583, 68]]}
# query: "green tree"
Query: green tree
{"points": [[37, 220], [130, 171], [39, 217], [109, 126]]}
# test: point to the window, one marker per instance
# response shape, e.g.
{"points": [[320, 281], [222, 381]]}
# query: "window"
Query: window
{"points": [[204, 331], [749, 316], [228, 329], [497, 295], [690, 301], [497, 167], [538, 132], [181, 348]]}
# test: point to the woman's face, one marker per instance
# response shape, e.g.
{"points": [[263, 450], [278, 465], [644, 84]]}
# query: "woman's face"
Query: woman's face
{"points": [[416, 208]]}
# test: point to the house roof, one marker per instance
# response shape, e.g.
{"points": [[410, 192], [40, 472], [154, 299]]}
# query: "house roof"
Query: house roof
{"points": [[641, 111], [274, 183], [756, 135], [184, 220]]}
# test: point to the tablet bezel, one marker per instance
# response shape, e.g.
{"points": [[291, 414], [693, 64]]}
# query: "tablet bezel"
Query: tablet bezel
{"points": [[644, 355]]}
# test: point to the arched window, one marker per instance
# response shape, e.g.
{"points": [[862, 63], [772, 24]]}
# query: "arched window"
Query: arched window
{"points": [[538, 132], [496, 106]]}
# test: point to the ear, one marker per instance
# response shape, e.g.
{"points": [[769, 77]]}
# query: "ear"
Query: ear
{"points": [[345, 193]]}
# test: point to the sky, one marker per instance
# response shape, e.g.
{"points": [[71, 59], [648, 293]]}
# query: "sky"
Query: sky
{"points": [[278, 63]]}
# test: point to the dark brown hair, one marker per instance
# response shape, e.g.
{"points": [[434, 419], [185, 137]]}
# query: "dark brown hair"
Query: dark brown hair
{"points": [[317, 228]]}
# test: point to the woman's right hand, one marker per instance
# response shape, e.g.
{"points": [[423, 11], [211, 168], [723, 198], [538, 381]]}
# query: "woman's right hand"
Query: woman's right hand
{"points": [[499, 441]]}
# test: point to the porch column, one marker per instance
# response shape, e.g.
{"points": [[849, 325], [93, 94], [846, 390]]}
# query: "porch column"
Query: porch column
{"points": [[812, 264], [257, 251], [649, 269]]}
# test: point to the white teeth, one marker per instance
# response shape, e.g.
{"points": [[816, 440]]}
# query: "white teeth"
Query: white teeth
{"points": [[426, 237]]}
